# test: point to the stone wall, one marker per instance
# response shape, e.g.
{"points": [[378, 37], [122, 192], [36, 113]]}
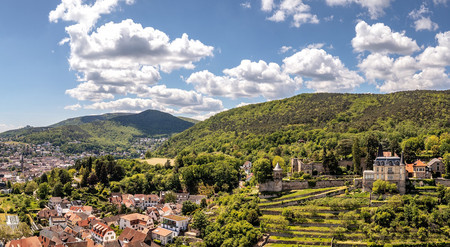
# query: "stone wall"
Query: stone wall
{"points": [[443, 181], [274, 186]]}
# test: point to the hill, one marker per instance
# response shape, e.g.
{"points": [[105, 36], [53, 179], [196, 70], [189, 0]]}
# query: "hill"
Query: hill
{"points": [[87, 119], [108, 132], [315, 119]]}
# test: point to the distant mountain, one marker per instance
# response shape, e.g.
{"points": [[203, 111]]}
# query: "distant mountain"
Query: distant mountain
{"points": [[316, 116], [109, 132], [87, 119]]}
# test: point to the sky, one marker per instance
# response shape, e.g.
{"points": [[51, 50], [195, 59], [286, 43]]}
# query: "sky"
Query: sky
{"points": [[195, 58]]}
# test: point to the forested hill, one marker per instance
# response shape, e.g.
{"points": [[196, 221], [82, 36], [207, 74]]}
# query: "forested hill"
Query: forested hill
{"points": [[318, 117], [107, 132]]}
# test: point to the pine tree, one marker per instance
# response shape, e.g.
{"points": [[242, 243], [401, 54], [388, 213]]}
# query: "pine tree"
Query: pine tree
{"points": [[356, 153]]}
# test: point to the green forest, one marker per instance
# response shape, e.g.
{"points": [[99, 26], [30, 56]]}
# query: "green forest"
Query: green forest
{"points": [[325, 126]]}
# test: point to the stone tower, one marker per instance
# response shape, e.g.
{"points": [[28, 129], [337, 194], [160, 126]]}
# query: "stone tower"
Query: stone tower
{"points": [[277, 173]]}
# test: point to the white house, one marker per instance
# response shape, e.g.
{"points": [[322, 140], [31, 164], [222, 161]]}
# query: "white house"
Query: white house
{"points": [[163, 235], [175, 223], [135, 221], [102, 233]]}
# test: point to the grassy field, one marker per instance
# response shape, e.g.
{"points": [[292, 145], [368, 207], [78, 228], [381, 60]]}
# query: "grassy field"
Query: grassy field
{"points": [[161, 161]]}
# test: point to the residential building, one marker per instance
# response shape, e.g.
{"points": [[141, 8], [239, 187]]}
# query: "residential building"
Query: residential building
{"points": [[102, 233], [418, 169], [130, 235], [247, 167], [436, 167], [25, 242], [175, 223], [164, 235], [387, 168], [57, 221], [54, 201], [12, 221], [135, 221]]}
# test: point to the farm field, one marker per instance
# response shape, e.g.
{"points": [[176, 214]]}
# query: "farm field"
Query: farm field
{"points": [[316, 217]]}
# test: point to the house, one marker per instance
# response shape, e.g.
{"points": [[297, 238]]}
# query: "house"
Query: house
{"points": [[312, 168], [48, 238], [81, 209], [136, 221], [197, 199], [57, 221], [54, 201], [112, 220], [153, 213], [102, 233], [79, 219], [28, 242], [181, 197], [130, 235], [46, 213], [175, 223], [418, 169], [387, 168], [163, 235], [247, 167], [436, 167]]}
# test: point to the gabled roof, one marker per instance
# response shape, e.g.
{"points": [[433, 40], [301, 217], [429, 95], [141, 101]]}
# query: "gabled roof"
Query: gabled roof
{"points": [[28, 242], [101, 229], [131, 235], [135, 216]]}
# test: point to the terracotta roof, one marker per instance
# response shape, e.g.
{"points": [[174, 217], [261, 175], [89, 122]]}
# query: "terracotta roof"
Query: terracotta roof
{"points": [[409, 168], [419, 163], [176, 217], [135, 216], [131, 235], [162, 232], [101, 229], [28, 242]]}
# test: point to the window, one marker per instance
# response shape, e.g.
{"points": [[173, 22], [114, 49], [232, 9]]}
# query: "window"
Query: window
{"points": [[390, 169]]}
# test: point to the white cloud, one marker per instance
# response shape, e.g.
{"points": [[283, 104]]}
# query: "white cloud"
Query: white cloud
{"points": [[444, 2], [425, 71], [327, 73], [296, 9], [375, 7], [249, 79], [380, 38], [267, 5], [423, 22], [315, 46], [285, 49], [438, 56], [246, 5], [73, 107]]}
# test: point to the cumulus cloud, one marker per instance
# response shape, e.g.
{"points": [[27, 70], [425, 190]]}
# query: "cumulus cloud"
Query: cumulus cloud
{"points": [[126, 58], [73, 107], [249, 79], [327, 73], [375, 7], [422, 21], [444, 2], [380, 38], [296, 9], [424, 71]]}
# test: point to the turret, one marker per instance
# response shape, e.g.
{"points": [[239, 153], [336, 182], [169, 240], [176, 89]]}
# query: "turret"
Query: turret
{"points": [[277, 172]]}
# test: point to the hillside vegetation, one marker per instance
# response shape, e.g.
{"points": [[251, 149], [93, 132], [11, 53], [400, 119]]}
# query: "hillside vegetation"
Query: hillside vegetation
{"points": [[109, 132], [313, 125]]}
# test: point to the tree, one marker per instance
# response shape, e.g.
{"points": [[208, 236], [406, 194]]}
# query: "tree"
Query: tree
{"points": [[43, 178], [372, 147], [200, 222], [170, 197], [43, 190], [356, 153], [188, 208], [58, 189], [93, 179], [383, 187], [278, 160], [30, 187], [446, 161], [262, 170], [64, 176], [330, 162], [253, 217]]}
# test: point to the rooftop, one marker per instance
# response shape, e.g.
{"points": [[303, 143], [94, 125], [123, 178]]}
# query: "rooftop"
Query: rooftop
{"points": [[162, 232], [176, 217]]}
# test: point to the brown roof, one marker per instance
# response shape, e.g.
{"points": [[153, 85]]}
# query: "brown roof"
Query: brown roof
{"points": [[131, 235], [419, 163], [101, 229], [28, 242], [135, 216], [162, 232]]}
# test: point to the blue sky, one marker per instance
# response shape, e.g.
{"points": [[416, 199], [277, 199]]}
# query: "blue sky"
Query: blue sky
{"points": [[67, 58]]}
